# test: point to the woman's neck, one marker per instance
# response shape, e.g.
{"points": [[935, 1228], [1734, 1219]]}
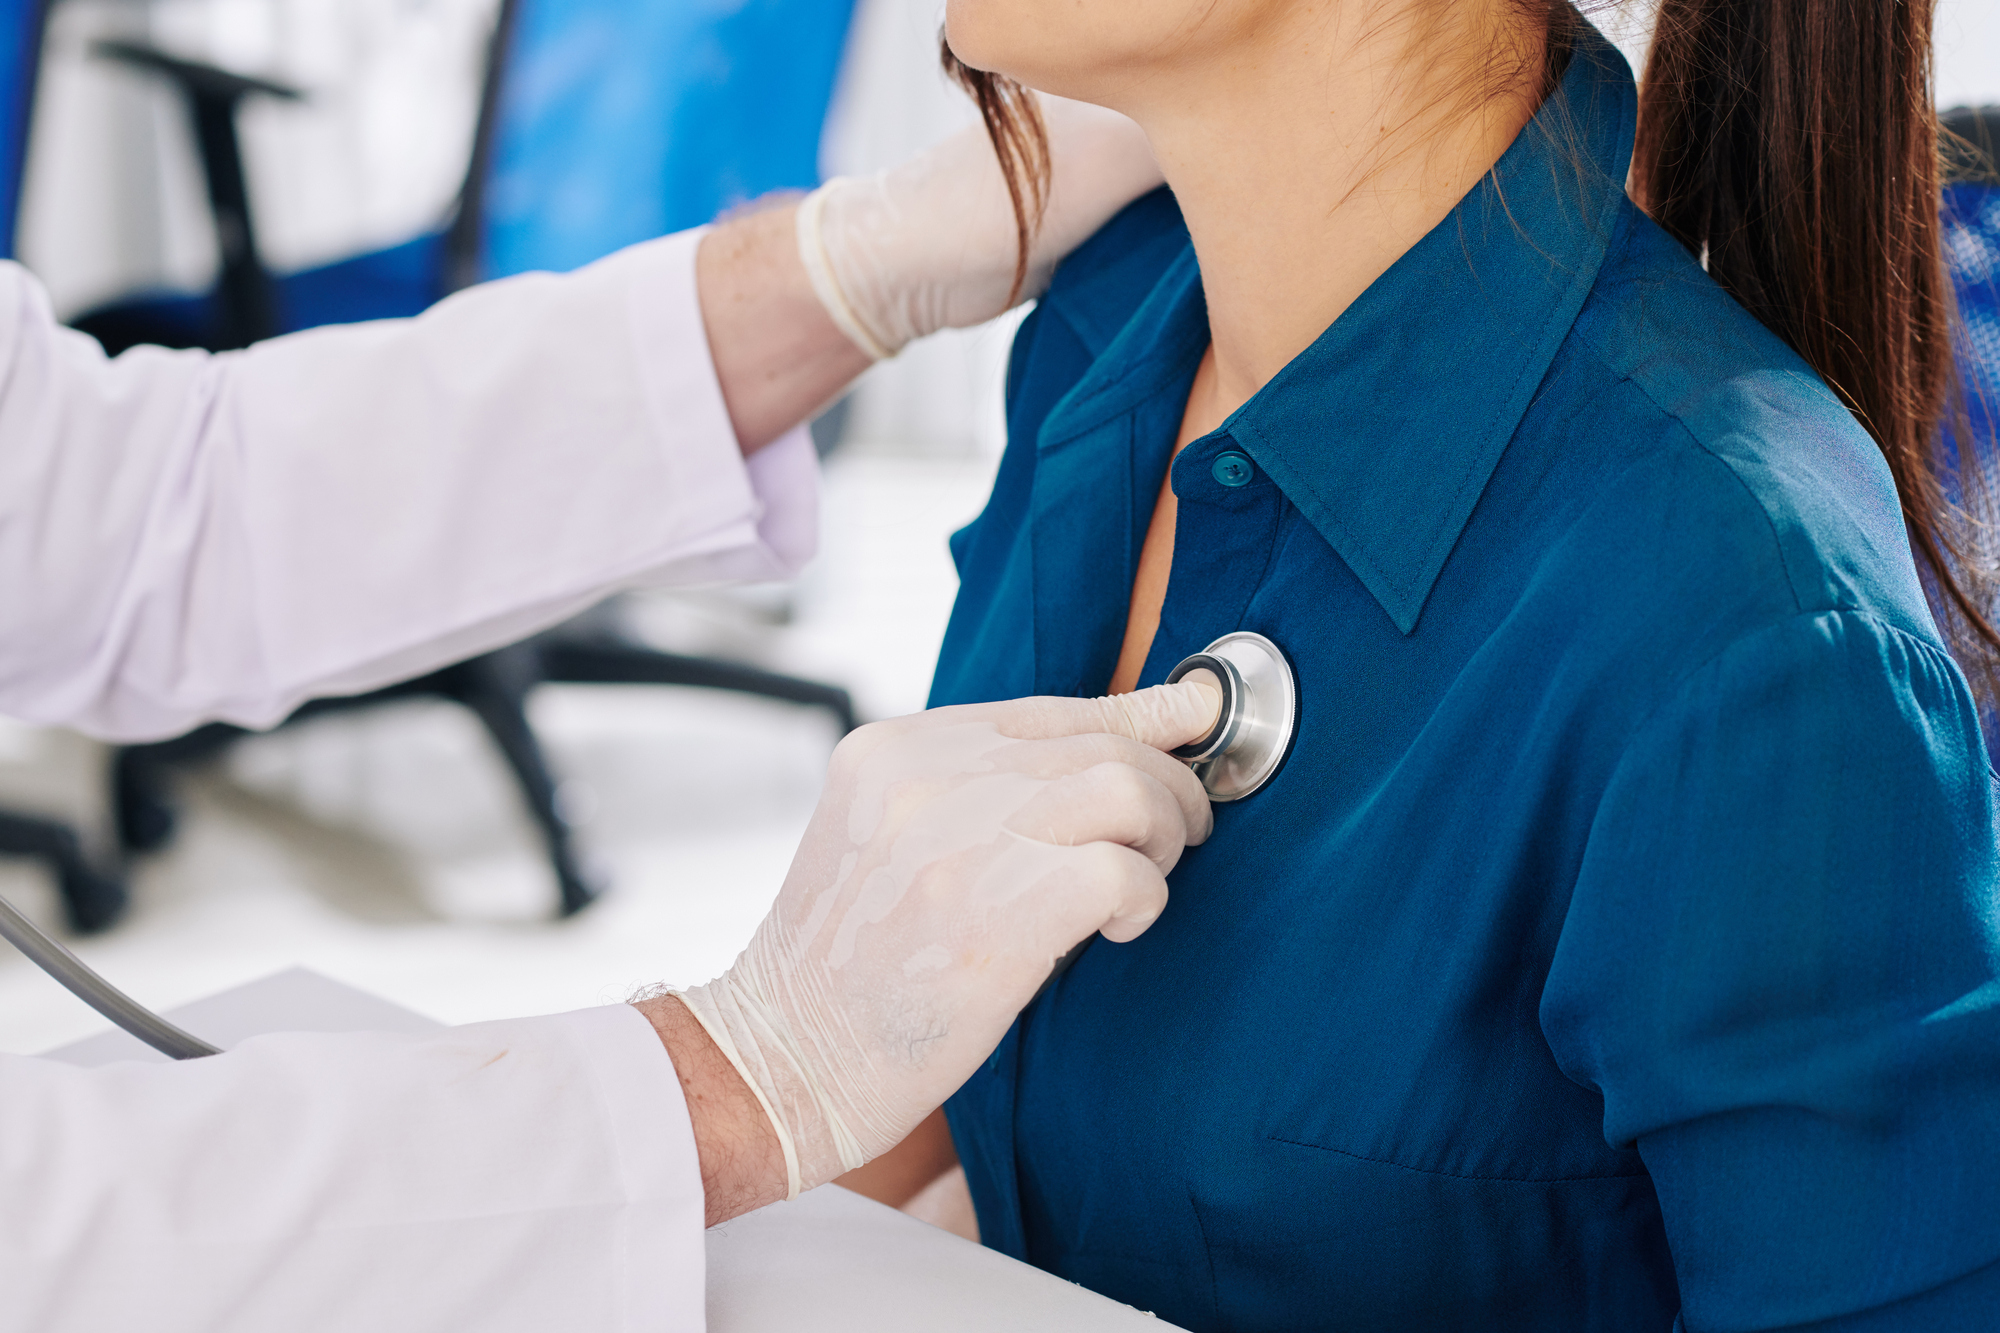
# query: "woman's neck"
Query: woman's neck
{"points": [[1311, 158]]}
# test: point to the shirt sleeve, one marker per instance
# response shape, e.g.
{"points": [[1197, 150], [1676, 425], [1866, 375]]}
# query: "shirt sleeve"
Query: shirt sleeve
{"points": [[511, 1177], [1779, 970], [187, 537]]}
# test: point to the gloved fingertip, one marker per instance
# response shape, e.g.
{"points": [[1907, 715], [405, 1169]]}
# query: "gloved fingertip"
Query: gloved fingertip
{"points": [[1168, 716], [1125, 929], [1203, 682]]}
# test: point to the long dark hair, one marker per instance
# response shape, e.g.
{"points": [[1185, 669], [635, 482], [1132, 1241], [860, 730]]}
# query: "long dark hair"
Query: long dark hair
{"points": [[1793, 145], [1014, 124]]}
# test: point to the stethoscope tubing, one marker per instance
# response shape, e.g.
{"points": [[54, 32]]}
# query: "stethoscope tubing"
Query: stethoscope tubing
{"points": [[77, 977]]}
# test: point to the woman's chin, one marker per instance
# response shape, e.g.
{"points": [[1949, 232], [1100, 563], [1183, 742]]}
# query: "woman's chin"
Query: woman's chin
{"points": [[1018, 39], [978, 31]]}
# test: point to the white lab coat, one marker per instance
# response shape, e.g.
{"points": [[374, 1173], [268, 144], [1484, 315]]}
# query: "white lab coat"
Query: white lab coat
{"points": [[184, 538]]}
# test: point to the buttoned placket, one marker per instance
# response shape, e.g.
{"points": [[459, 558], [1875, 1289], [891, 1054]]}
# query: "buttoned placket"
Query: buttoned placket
{"points": [[1226, 527]]}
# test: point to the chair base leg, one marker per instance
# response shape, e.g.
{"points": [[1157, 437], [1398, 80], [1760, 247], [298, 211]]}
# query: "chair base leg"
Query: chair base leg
{"points": [[141, 804], [608, 662], [495, 687], [92, 900], [142, 793]]}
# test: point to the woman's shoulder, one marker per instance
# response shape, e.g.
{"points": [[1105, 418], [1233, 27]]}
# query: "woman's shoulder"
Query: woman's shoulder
{"points": [[1739, 433], [1104, 281], [1094, 295]]}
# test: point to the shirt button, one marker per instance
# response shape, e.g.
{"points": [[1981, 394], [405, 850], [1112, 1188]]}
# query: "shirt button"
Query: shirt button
{"points": [[1233, 469]]}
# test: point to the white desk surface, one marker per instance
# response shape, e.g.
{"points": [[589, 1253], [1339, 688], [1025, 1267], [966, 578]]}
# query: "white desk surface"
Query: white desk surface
{"points": [[830, 1261]]}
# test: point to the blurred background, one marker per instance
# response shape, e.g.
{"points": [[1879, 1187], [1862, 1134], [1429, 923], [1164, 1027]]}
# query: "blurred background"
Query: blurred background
{"points": [[204, 172]]}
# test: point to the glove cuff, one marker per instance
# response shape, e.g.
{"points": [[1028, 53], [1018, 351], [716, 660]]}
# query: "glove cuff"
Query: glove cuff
{"points": [[826, 283], [812, 1134], [697, 1001]]}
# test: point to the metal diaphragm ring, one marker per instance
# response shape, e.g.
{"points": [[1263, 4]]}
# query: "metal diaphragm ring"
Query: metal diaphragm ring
{"points": [[1253, 733]]}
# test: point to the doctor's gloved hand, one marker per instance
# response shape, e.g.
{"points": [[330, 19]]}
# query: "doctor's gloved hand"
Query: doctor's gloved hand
{"points": [[932, 244], [955, 856]]}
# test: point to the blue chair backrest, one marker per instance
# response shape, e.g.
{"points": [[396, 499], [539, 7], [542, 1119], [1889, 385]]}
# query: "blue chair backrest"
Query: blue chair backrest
{"points": [[20, 57], [1972, 255], [621, 120], [1972, 252]]}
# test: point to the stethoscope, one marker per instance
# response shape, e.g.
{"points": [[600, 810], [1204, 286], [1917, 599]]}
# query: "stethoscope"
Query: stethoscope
{"points": [[1245, 748], [1253, 729], [1259, 715]]}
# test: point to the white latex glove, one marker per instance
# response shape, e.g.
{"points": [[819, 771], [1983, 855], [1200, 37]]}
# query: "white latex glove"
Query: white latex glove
{"points": [[931, 244], [956, 855]]}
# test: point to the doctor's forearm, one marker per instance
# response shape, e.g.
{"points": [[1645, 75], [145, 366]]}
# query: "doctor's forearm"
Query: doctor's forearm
{"points": [[187, 538], [778, 357], [742, 1166]]}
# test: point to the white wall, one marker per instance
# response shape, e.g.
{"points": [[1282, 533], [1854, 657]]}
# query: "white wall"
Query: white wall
{"points": [[1967, 38]]}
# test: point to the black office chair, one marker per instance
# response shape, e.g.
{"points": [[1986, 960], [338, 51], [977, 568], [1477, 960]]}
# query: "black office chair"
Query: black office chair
{"points": [[249, 303], [244, 308]]}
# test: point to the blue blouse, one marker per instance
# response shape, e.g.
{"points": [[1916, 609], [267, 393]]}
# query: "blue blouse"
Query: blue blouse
{"points": [[1619, 942]]}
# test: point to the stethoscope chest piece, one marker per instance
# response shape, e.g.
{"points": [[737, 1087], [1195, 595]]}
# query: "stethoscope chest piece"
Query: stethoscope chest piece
{"points": [[1260, 714], [1252, 733]]}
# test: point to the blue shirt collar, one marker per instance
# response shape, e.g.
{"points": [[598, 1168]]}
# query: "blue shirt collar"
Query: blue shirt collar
{"points": [[1386, 429]]}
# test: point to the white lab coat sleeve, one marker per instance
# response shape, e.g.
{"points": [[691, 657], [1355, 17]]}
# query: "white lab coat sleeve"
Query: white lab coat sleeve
{"points": [[186, 537], [515, 1177]]}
